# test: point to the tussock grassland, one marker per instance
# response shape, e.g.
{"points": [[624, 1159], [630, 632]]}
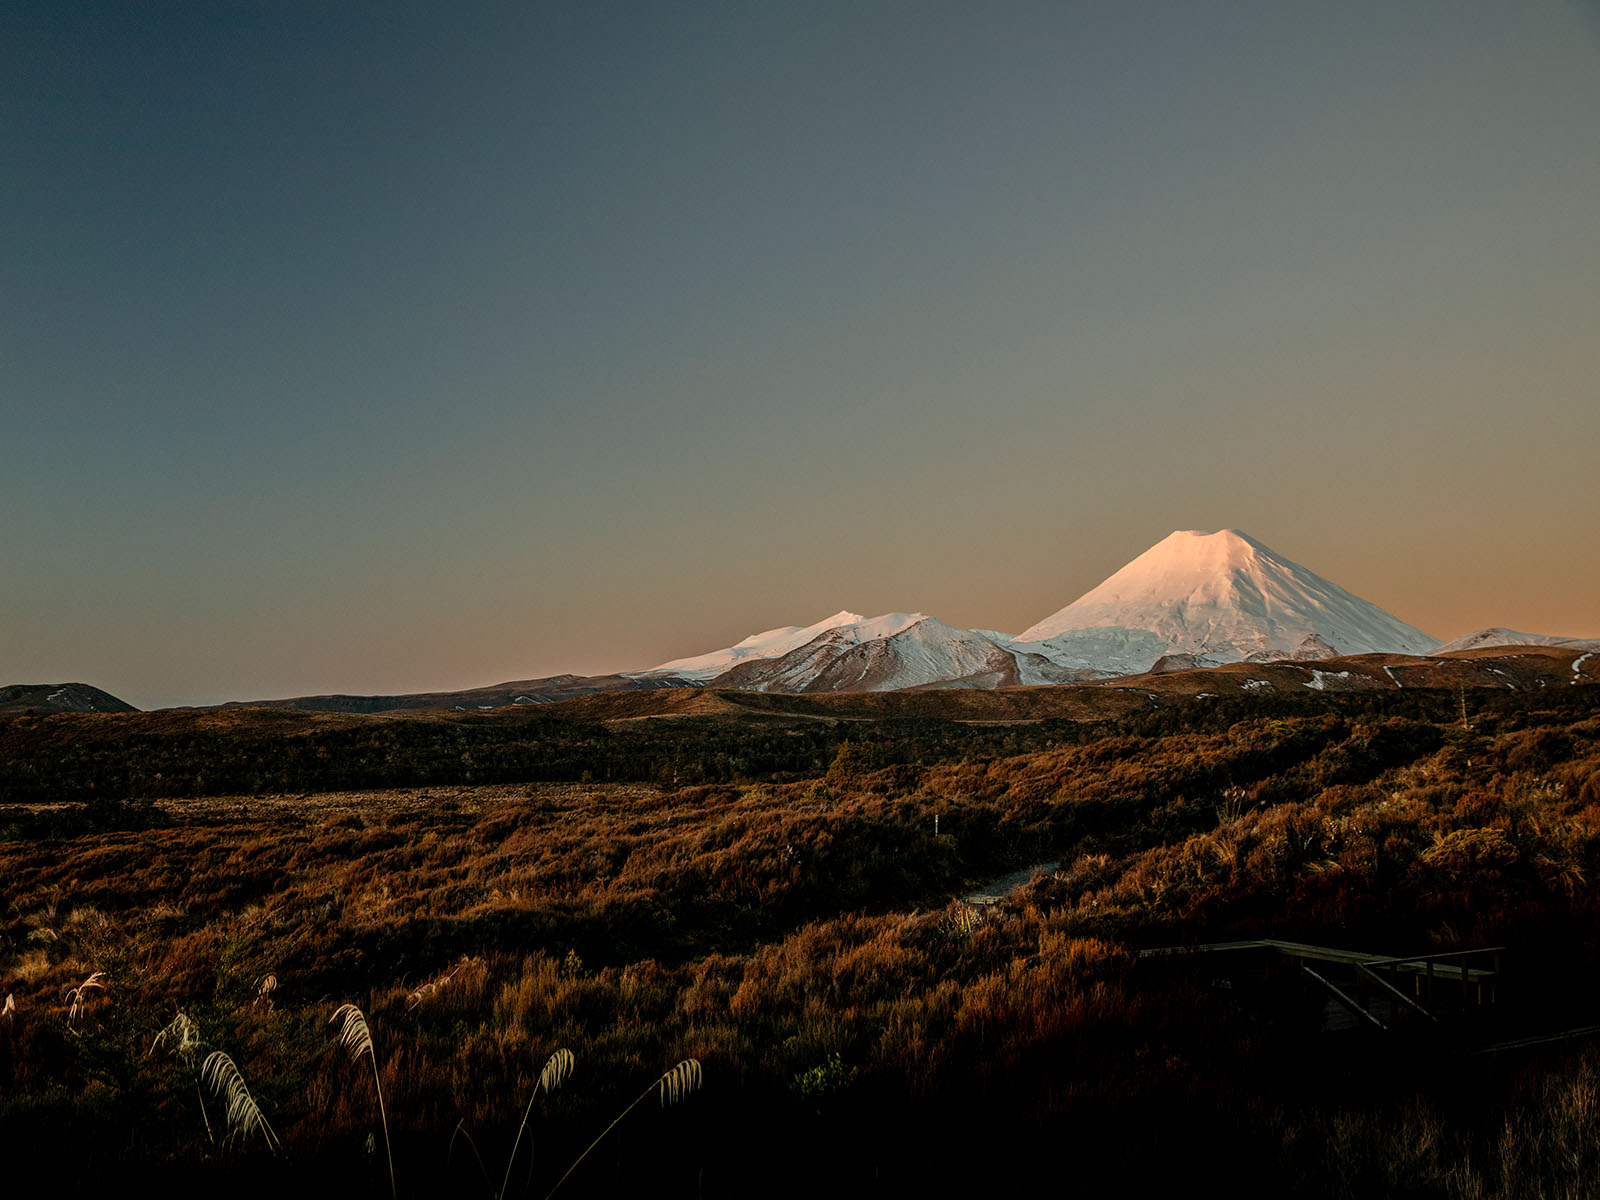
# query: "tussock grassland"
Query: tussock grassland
{"points": [[798, 937]]}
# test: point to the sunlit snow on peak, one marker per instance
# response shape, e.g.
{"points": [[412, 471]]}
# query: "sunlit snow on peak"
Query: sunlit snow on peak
{"points": [[1224, 595], [769, 644]]}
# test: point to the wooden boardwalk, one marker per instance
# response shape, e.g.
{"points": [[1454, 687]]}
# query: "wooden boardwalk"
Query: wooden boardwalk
{"points": [[1375, 990]]}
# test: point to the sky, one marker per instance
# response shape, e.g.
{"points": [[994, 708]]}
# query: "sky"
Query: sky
{"points": [[388, 347]]}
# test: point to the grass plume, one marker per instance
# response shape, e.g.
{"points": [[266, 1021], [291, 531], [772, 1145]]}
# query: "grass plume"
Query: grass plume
{"points": [[356, 1037], [265, 986], [433, 986], [80, 995], [244, 1115], [675, 1086], [557, 1069], [679, 1083], [182, 1036]]}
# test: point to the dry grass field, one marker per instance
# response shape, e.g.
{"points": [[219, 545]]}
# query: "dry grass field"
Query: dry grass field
{"points": [[797, 935]]}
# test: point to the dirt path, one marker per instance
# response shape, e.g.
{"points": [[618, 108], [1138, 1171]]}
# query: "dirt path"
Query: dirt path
{"points": [[997, 890]]}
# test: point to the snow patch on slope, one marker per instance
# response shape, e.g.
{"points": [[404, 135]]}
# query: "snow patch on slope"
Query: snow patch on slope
{"points": [[1319, 679]]}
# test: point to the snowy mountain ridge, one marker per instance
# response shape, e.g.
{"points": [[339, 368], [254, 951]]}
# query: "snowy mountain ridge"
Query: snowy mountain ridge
{"points": [[770, 644], [1498, 635], [1195, 598], [892, 653]]}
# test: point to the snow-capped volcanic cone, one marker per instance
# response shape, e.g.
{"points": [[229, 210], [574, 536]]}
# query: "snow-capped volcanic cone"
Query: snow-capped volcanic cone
{"points": [[889, 653], [1221, 597], [770, 644]]}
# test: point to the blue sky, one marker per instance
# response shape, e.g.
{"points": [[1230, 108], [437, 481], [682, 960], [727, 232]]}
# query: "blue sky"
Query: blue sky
{"points": [[377, 347]]}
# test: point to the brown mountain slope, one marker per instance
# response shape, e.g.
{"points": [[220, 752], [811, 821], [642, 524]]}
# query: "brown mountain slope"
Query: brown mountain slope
{"points": [[950, 704], [525, 691], [1520, 668], [42, 698]]}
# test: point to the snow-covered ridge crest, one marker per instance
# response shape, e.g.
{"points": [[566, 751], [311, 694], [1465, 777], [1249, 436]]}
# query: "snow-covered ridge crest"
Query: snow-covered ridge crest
{"points": [[893, 652], [1500, 636], [776, 642]]}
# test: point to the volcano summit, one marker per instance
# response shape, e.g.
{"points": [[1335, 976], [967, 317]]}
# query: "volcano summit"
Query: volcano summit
{"points": [[1219, 597]]}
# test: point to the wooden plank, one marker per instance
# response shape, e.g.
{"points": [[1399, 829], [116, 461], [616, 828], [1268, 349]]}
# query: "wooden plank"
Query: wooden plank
{"points": [[1459, 974], [1319, 953], [1437, 956]]}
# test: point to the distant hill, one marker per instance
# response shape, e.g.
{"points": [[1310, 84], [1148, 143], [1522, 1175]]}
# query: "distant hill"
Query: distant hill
{"points": [[500, 695], [44, 698], [759, 685], [1519, 669], [1500, 636], [695, 735], [1513, 668]]}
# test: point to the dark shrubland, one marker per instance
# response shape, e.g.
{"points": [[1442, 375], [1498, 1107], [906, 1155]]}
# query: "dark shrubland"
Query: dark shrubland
{"points": [[773, 899]]}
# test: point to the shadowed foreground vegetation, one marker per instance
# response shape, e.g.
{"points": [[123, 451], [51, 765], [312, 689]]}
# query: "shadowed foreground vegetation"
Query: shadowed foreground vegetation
{"points": [[788, 917]]}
